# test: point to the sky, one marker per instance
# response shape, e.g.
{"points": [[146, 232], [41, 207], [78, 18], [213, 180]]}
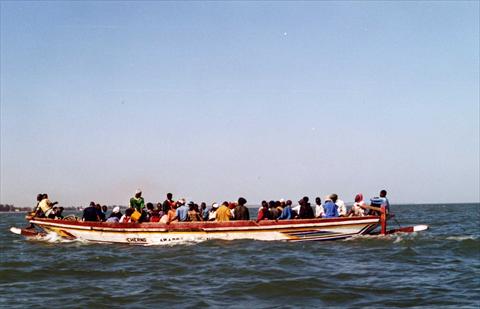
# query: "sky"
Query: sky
{"points": [[216, 100]]}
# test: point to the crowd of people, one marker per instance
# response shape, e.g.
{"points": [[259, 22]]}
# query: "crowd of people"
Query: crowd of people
{"points": [[182, 211]]}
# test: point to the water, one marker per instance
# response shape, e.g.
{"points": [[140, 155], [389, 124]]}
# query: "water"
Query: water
{"points": [[439, 267]]}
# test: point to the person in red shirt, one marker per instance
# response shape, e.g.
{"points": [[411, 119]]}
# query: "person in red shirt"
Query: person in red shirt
{"points": [[263, 213]]}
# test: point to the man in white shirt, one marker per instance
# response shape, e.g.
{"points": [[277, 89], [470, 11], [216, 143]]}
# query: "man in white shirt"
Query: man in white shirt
{"points": [[319, 211]]}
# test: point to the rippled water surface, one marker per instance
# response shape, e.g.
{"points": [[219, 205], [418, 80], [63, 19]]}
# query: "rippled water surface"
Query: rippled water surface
{"points": [[439, 267]]}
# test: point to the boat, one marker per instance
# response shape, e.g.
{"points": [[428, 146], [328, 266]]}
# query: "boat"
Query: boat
{"points": [[296, 230]]}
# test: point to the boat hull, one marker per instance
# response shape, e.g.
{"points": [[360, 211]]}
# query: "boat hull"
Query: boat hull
{"points": [[180, 232]]}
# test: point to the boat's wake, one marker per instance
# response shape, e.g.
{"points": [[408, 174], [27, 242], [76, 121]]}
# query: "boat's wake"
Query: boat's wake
{"points": [[395, 238], [53, 237]]}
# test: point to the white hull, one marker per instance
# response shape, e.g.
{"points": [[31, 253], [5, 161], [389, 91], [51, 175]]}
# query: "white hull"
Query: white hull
{"points": [[160, 234]]}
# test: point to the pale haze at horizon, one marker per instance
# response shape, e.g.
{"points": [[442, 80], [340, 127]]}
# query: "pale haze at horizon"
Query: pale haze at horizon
{"points": [[216, 100]]}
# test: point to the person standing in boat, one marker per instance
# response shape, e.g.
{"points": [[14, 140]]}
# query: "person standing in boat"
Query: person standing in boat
{"points": [[137, 202], [241, 211], [168, 203]]}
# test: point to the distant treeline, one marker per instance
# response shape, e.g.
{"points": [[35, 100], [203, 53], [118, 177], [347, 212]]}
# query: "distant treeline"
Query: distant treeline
{"points": [[8, 207]]}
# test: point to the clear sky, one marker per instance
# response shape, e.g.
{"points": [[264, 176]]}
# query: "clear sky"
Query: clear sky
{"points": [[215, 100]]}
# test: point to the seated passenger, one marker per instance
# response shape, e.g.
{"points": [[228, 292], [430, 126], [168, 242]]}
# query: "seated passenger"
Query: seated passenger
{"points": [[193, 214], [153, 215], [90, 213], [104, 211], [272, 208], [264, 213], [126, 217], [204, 211], [212, 214], [160, 210], [53, 213], [306, 211], [342, 209], [223, 212], [116, 213], [319, 211], [181, 213], [171, 214], [261, 206], [279, 207], [241, 211], [59, 213], [330, 208], [46, 206], [296, 211], [100, 214], [287, 213], [357, 208]]}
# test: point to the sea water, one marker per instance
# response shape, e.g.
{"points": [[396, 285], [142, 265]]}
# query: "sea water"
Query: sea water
{"points": [[439, 267]]}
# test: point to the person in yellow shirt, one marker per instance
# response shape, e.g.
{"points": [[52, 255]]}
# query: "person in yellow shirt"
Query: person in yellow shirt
{"points": [[45, 206], [224, 213]]}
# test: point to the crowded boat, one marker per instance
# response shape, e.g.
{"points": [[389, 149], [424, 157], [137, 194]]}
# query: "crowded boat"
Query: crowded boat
{"points": [[189, 211]]}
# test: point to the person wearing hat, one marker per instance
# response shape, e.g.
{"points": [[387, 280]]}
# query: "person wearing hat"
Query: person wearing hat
{"points": [[137, 201], [287, 212], [212, 215], [181, 214], [115, 215]]}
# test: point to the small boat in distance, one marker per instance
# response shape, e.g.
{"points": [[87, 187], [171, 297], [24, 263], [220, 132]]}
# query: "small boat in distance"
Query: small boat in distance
{"points": [[180, 232]]}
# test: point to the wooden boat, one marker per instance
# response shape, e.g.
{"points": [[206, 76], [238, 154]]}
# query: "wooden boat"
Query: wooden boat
{"points": [[180, 232]]}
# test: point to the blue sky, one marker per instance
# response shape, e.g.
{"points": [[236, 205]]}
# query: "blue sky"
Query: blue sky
{"points": [[215, 100]]}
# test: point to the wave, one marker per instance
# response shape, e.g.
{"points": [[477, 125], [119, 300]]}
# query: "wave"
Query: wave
{"points": [[463, 237], [53, 237]]}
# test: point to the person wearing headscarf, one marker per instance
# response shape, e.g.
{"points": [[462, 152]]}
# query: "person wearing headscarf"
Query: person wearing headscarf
{"points": [[357, 208], [116, 215]]}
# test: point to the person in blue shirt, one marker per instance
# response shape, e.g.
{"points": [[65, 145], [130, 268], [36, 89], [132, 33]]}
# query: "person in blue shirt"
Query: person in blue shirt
{"points": [[287, 211], [381, 202], [330, 208], [204, 211], [182, 212]]}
